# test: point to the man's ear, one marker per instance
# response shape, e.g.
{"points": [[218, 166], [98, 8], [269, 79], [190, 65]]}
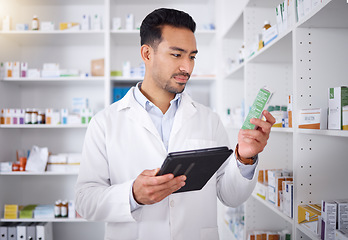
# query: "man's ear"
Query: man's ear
{"points": [[145, 52]]}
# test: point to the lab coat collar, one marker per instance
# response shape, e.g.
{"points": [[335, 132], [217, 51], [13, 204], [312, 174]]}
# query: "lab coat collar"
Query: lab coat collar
{"points": [[187, 108], [137, 113]]}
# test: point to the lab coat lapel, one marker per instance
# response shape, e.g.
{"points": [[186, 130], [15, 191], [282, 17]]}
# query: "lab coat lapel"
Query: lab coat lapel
{"points": [[185, 111], [137, 113]]}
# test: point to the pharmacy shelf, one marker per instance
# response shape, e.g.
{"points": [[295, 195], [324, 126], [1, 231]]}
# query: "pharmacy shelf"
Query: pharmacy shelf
{"points": [[235, 29], [51, 32], [228, 231], [62, 2], [329, 14], [307, 232], [237, 73], [55, 37], [196, 79], [135, 2], [38, 174], [121, 79], [301, 52], [261, 4], [272, 207], [335, 133], [56, 79], [19, 126], [277, 51], [44, 220], [132, 37], [282, 130]]}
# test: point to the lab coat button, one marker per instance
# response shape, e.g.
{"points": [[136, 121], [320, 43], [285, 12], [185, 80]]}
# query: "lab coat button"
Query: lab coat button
{"points": [[172, 203]]}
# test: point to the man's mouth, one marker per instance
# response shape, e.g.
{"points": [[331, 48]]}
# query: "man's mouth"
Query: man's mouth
{"points": [[181, 78]]}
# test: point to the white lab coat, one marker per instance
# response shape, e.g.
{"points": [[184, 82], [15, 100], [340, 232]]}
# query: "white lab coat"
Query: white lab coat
{"points": [[122, 141]]}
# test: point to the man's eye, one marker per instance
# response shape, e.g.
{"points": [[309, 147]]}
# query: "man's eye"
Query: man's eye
{"points": [[193, 57], [176, 55]]}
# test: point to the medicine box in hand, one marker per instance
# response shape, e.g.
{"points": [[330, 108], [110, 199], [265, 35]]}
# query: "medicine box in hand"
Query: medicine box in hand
{"points": [[260, 103]]}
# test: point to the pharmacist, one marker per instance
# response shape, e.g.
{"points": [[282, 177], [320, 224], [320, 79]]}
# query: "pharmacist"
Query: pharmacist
{"points": [[126, 143]]}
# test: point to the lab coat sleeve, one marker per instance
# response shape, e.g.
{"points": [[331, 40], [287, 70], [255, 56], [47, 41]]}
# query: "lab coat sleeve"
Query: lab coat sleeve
{"points": [[96, 199], [232, 187]]}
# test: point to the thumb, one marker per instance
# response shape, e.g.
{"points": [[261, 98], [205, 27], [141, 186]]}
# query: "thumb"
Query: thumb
{"points": [[152, 172], [155, 171]]}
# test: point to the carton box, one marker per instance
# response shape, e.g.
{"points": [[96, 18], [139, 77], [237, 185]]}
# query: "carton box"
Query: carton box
{"points": [[329, 220], [97, 67], [279, 190], [315, 118], [261, 191], [342, 214], [16, 69], [338, 98], [308, 216], [288, 199], [69, 26], [269, 35], [8, 69], [345, 118], [290, 110]]}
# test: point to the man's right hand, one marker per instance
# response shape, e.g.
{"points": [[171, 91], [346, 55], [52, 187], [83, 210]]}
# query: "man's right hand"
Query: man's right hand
{"points": [[149, 188]]}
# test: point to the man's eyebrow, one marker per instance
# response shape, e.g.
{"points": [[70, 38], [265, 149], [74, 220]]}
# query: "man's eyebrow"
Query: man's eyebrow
{"points": [[183, 50]]}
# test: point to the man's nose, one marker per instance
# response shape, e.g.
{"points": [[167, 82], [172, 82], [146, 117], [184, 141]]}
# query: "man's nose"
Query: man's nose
{"points": [[186, 66]]}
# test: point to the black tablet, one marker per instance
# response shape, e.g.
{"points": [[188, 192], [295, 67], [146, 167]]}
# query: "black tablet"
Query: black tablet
{"points": [[197, 165]]}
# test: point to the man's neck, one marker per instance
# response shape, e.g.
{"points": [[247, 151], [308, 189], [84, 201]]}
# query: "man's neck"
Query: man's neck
{"points": [[160, 98]]}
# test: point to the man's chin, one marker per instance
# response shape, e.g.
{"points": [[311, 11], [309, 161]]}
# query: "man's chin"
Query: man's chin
{"points": [[178, 89]]}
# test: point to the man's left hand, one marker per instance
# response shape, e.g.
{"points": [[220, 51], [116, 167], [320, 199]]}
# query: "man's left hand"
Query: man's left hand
{"points": [[252, 142]]}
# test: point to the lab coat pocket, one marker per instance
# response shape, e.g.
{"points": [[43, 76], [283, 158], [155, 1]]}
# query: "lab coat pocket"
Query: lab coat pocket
{"points": [[209, 234], [199, 143]]}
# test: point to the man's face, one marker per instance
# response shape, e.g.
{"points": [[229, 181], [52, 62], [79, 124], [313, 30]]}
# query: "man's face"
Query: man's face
{"points": [[174, 59]]}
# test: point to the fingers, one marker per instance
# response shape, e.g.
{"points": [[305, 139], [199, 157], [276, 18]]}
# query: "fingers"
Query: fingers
{"points": [[269, 117], [149, 188], [265, 126]]}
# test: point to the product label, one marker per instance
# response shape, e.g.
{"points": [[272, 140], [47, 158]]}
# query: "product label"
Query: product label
{"points": [[256, 109]]}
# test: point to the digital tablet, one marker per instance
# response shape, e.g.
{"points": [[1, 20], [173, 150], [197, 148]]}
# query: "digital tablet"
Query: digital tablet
{"points": [[197, 165]]}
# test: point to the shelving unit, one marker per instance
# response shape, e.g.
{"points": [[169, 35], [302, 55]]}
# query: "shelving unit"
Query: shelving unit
{"points": [[19, 126], [75, 50], [304, 61], [63, 220]]}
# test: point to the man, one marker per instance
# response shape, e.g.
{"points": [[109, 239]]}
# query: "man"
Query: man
{"points": [[126, 143]]}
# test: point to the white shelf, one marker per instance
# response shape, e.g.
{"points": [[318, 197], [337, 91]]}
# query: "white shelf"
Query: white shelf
{"points": [[44, 220], [335, 133], [273, 208], [48, 126], [294, 63], [63, 2], [55, 37], [329, 14], [56, 80], [160, 2], [193, 78], [277, 51], [235, 30], [282, 130], [132, 37], [237, 73], [307, 232], [51, 32], [38, 174]]}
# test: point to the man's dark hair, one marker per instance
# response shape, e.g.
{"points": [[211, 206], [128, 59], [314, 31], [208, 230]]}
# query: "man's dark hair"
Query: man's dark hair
{"points": [[151, 27]]}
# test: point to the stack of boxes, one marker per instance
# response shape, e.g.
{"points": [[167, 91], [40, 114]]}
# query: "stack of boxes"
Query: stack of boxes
{"points": [[276, 187], [328, 219], [336, 118]]}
